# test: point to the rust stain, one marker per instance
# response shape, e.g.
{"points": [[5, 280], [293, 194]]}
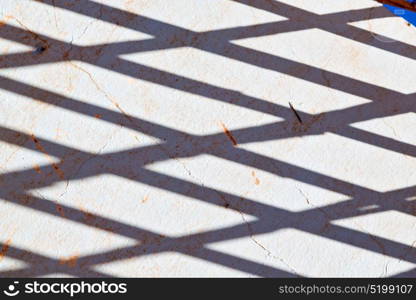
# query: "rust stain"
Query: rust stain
{"points": [[305, 126], [226, 204], [98, 52], [55, 166], [88, 216], [70, 261], [98, 116], [256, 180], [37, 169], [325, 227], [229, 135], [98, 87], [5, 248], [26, 199], [45, 44], [91, 219], [65, 56], [58, 171], [145, 199], [60, 209], [128, 3]]}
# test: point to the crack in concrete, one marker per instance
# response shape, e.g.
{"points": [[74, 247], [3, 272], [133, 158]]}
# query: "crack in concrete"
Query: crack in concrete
{"points": [[392, 128], [267, 251], [99, 88], [54, 14], [370, 236], [35, 35], [95, 20], [99, 152], [129, 118], [309, 202]]}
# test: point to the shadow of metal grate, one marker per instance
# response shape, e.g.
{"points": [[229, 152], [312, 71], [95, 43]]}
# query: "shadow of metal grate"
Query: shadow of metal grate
{"points": [[218, 42]]}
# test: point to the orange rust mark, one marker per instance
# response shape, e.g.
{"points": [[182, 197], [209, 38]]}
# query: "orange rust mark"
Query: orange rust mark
{"points": [[70, 261], [226, 204], [229, 135], [58, 171], [88, 216], [37, 169], [55, 166], [26, 199], [60, 209], [33, 34], [98, 51], [98, 116], [5, 248], [65, 56], [256, 180], [145, 199], [123, 112], [90, 219]]}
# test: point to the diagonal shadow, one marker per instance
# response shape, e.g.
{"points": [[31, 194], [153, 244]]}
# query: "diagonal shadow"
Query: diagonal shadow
{"points": [[233, 201], [172, 137]]}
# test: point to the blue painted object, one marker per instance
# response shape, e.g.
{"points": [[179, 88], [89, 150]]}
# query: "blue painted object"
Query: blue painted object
{"points": [[409, 16]]}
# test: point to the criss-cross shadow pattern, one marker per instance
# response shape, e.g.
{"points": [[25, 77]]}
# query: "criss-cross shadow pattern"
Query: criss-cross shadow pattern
{"points": [[131, 163]]}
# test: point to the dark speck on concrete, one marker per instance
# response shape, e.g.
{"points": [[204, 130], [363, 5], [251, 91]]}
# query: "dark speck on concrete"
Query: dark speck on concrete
{"points": [[40, 49]]}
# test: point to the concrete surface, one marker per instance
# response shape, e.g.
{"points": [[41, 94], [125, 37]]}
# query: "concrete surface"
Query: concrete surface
{"points": [[155, 138]]}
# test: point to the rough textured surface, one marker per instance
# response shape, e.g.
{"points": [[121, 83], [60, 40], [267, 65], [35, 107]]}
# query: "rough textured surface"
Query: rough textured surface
{"points": [[156, 138]]}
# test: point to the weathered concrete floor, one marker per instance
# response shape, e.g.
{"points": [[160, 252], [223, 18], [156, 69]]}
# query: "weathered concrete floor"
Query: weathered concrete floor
{"points": [[155, 138]]}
